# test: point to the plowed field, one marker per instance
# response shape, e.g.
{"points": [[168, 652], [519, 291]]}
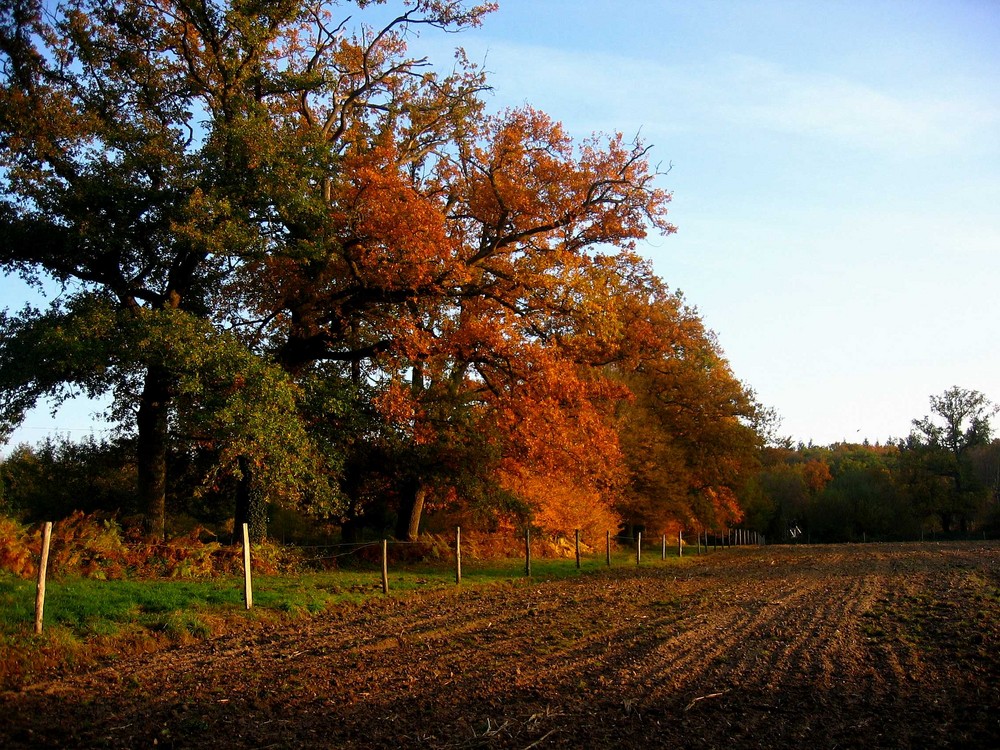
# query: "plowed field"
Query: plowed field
{"points": [[821, 647]]}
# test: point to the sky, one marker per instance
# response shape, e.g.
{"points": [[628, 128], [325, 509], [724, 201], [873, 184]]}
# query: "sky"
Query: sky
{"points": [[835, 169]]}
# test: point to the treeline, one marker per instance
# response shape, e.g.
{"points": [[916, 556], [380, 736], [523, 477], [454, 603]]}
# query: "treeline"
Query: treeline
{"points": [[943, 480], [315, 274]]}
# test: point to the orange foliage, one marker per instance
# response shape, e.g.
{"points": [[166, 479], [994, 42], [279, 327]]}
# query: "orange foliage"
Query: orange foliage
{"points": [[94, 547], [687, 435], [817, 475], [562, 506], [15, 549], [515, 324]]}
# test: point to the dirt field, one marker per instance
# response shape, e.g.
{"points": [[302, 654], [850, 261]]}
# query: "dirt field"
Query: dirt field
{"points": [[820, 647]]}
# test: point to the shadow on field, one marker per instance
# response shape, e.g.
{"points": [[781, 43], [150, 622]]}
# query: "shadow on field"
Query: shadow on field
{"points": [[876, 646]]}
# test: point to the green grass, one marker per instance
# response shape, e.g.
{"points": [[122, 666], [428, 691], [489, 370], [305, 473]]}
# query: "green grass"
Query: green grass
{"points": [[87, 606], [88, 619]]}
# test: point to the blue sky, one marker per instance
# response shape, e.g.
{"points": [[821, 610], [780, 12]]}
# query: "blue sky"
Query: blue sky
{"points": [[836, 180]]}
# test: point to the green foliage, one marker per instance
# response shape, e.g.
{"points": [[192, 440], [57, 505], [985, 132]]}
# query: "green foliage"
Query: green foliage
{"points": [[69, 349], [242, 409], [942, 474], [56, 477], [941, 479]]}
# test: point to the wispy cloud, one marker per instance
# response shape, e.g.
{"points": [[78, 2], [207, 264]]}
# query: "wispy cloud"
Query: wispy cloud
{"points": [[606, 92], [852, 112]]}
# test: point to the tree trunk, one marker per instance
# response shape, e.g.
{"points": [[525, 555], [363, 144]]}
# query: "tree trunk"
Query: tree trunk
{"points": [[350, 530], [251, 509], [418, 508], [151, 451], [945, 517]]}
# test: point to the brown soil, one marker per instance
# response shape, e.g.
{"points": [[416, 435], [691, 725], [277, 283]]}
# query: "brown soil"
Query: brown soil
{"points": [[820, 647]]}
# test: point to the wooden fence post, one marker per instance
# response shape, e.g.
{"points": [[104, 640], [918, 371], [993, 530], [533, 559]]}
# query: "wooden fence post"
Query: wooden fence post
{"points": [[527, 553], [680, 543], [607, 540], [458, 554], [638, 548], [247, 583], [43, 565], [578, 549], [385, 567], [663, 548]]}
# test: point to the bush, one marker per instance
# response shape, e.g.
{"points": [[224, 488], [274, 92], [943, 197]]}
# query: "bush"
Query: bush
{"points": [[15, 549], [97, 546]]}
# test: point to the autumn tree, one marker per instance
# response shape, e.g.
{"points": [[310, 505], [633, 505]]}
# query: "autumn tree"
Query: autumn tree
{"points": [[685, 426], [441, 257]]}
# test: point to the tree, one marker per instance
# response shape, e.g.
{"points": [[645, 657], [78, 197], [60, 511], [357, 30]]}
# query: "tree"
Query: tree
{"points": [[985, 461], [147, 147], [943, 443], [689, 429], [842, 492], [56, 477], [966, 415], [439, 264], [110, 190]]}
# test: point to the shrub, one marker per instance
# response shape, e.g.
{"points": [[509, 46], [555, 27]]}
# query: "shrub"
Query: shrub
{"points": [[97, 546], [15, 549]]}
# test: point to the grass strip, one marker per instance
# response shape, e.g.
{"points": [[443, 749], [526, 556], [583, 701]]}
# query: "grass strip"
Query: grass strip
{"points": [[89, 621]]}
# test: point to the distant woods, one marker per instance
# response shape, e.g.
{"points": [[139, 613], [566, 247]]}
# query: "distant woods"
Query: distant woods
{"points": [[943, 480]]}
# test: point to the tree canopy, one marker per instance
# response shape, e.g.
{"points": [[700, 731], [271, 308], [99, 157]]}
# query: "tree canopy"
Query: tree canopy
{"points": [[313, 263]]}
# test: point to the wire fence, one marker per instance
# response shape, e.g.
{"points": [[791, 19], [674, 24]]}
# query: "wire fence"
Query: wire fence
{"points": [[613, 549], [545, 545], [705, 542]]}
